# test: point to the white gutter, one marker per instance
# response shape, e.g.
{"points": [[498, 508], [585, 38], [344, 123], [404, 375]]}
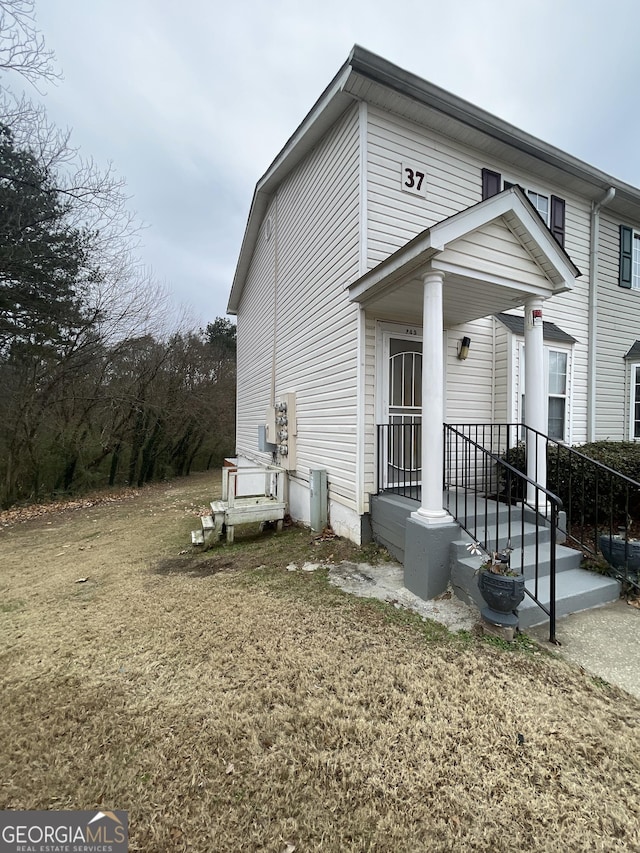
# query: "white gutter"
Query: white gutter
{"points": [[593, 310]]}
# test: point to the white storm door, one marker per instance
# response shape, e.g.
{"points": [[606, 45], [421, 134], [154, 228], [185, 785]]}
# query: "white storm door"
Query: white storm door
{"points": [[403, 410]]}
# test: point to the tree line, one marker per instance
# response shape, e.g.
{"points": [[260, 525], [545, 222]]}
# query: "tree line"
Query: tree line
{"points": [[99, 384]]}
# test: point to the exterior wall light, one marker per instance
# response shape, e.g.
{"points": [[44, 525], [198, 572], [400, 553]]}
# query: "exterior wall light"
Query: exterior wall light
{"points": [[463, 352]]}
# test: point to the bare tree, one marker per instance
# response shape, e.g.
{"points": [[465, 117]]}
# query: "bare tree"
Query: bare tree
{"points": [[22, 47]]}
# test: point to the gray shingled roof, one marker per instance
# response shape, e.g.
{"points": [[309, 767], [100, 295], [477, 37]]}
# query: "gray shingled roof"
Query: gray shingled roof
{"points": [[634, 352], [550, 331]]}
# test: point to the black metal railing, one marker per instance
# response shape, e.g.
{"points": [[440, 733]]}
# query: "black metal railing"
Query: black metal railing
{"points": [[601, 505], [481, 488], [479, 485]]}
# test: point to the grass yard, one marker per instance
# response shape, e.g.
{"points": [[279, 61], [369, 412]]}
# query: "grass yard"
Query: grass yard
{"points": [[231, 705]]}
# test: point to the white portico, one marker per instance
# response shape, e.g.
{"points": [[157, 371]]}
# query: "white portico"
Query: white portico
{"points": [[492, 257]]}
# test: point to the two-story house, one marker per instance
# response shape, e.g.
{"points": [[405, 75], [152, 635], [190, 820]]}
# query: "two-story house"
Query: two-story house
{"points": [[403, 252]]}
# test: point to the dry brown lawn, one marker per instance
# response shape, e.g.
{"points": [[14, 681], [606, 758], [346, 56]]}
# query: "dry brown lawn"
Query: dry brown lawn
{"points": [[230, 707]]}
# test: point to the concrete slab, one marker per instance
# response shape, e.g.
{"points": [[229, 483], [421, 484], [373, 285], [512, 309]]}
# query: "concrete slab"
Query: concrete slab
{"points": [[604, 641], [386, 582]]}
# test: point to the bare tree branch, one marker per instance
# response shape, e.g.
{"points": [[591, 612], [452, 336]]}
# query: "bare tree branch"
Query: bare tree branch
{"points": [[22, 47]]}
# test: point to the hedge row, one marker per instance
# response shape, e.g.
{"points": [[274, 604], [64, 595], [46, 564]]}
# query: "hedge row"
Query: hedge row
{"points": [[590, 493]]}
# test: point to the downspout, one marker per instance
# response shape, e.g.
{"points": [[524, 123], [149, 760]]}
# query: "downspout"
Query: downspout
{"points": [[593, 310]]}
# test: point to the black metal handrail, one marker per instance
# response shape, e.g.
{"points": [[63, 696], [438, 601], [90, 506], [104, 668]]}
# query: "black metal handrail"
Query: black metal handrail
{"points": [[478, 485], [599, 501]]}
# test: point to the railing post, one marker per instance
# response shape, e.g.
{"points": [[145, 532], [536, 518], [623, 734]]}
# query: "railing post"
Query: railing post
{"points": [[552, 573]]}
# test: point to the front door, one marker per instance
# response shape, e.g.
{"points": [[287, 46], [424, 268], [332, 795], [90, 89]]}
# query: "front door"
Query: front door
{"points": [[403, 411]]}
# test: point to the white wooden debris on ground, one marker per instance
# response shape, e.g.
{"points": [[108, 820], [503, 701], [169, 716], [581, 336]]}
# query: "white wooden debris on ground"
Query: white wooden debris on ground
{"points": [[251, 494]]}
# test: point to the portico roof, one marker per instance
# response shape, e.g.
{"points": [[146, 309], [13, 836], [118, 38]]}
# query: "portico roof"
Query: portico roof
{"points": [[495, 255]]}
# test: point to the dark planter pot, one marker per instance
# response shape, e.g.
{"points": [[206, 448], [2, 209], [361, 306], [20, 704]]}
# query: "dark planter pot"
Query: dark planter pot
{"points": [[620, 554], [502, 594]]}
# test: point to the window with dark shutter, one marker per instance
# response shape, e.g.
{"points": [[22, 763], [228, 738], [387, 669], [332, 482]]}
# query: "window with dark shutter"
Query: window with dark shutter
{"points": [[557, 218], [490, 183], [626, 256]]}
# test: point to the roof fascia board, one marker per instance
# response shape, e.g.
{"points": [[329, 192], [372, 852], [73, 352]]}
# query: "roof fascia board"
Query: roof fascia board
{"points": [[417, 251], [329, 106], [381, 71]]}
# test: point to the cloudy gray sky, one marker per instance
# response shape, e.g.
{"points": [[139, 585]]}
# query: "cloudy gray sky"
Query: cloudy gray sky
{"points": [[192, 100]]}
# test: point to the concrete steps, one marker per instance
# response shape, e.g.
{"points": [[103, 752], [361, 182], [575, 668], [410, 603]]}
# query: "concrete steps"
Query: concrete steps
{"points": [[576, 588]]}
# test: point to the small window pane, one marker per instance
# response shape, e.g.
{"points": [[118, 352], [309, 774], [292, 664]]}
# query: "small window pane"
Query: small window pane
{"points": [[395, 380], [635, 268], [556, 418], [636, 407], [541, 204], [557, 372]]}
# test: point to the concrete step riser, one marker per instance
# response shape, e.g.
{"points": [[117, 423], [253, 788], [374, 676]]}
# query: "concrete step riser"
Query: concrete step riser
{"points": [[517, 538], [586, 593], [576, 590], [566, 560]]}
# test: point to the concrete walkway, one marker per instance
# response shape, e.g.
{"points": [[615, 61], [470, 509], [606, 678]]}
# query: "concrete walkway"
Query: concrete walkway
{"points": [[604, 641]]}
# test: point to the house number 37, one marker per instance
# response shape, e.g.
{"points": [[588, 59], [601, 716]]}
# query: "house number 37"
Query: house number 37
{"points": [[413, 179]]}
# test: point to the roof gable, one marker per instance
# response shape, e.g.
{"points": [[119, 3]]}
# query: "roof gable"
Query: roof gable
{"points": [[512, 207], [366, 76]]}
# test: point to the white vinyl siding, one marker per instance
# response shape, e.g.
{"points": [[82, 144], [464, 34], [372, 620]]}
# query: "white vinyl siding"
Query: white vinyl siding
{"points": [[453, 182], [256, 343], [315, 325], [618, 329], [570, 311], [469, 383], [370, 420], [495, 251]]}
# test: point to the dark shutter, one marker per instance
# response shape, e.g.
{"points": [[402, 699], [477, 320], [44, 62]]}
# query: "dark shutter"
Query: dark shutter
{"points": [[626, 255], [490, 183], [557, 218]]}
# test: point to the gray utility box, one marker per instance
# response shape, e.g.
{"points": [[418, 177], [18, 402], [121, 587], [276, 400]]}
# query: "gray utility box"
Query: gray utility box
{"points": [[265, 446], [318, 496]]}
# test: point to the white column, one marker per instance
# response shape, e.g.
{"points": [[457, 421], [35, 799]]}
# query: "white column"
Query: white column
{"points": [[535, 397], [431, 511]]}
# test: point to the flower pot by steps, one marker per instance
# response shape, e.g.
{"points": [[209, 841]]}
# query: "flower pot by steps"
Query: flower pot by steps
{"points": [[620, 553], [502, 594]]}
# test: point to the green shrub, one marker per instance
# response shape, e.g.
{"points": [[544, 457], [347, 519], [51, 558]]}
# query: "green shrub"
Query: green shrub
{"points": [[590, 494]]}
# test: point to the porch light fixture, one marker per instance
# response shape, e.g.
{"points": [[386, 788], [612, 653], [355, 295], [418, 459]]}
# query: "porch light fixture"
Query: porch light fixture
{"points": [[463, 352]]}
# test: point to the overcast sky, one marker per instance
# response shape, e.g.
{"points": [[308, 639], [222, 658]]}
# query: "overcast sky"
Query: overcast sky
{"points": [[192, 100]]}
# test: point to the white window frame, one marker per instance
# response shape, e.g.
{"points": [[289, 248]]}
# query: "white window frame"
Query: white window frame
{"points": [[635, 260], [533, 192], [519, 391], [633, 383]]}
